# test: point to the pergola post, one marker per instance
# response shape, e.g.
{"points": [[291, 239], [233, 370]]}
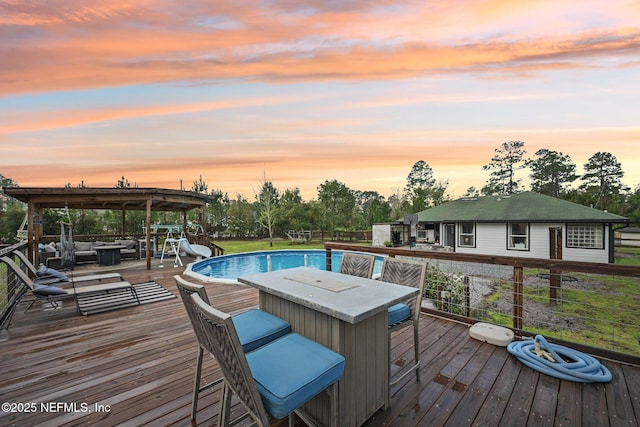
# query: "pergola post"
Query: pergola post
{"points": [[148, 234], [124, 222], [31, 231]]}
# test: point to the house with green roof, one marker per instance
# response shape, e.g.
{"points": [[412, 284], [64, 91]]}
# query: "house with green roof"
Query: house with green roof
{"points": [[528, 224]]}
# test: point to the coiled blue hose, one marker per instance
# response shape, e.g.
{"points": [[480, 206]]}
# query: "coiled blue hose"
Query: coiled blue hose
{"points": [[582, 368]]}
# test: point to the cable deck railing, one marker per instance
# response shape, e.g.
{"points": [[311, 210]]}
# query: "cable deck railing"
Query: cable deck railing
{"points": [[590, 306]]}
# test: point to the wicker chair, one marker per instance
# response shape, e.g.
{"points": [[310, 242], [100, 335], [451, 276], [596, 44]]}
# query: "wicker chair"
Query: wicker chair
{"points": [[357, 265], [403, 315], [273, 381], [255, 328]]}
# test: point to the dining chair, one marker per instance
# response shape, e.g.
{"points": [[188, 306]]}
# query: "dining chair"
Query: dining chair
{"points": [[255, 328], [273, 381], [405, 314], [357, 264]]}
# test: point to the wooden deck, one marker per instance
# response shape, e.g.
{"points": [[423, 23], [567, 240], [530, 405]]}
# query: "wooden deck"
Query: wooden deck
{"points": [[135, 366]]}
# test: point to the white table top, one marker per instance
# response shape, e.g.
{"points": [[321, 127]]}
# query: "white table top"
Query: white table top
{"points": [[342, 296]]}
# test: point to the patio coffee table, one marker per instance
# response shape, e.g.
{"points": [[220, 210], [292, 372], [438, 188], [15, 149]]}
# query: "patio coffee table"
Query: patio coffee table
{"points": [[108, 254]]}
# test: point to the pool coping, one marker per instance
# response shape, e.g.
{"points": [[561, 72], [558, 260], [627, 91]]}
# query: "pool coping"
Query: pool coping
{"points": [[208, 279]]}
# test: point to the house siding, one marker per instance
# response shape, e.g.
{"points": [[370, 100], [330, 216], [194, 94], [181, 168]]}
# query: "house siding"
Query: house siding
{"points": [[491, 239]]}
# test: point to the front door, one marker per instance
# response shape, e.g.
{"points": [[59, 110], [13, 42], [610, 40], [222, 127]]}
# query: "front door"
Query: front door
{"points": [[450, 235], [555, 252], [555, 243]]}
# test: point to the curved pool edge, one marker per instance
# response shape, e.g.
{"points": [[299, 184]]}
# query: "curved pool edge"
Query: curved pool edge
{"points": [[208, 279]]}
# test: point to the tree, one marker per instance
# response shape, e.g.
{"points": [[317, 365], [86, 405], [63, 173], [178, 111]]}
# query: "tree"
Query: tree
{"points": [[123, 183], [505, 162], [11, 218], [471, 192], [338, 204], [372, 207], [602, 179], [199, 186], [218, 212], [399, 204], [293, 213], [241, 219], [420, 183], [267, 207], [439, 192], [632, 206], [551, 172], [6, 182]]}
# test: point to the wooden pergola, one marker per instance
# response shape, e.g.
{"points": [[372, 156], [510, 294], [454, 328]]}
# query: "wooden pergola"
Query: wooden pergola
{"points": [[122, 199]]}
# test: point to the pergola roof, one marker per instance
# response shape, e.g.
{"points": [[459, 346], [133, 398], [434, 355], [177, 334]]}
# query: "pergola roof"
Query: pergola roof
{"points": [[109, 198], [123, 199]]}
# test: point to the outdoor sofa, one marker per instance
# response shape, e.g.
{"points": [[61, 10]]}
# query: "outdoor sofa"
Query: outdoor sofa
{"points": [[85, 252]]}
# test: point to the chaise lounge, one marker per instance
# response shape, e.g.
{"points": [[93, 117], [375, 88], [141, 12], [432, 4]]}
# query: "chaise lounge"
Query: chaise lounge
{"points": [[51, 293]]}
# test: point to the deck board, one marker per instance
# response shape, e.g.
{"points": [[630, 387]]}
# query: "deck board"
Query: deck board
{"points": [[141, 361]]}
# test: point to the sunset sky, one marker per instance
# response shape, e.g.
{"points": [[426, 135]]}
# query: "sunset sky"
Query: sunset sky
{"points": [[302, 92]]}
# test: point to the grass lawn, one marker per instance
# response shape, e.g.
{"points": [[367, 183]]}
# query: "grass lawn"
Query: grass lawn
{"points": [[627, 255]]}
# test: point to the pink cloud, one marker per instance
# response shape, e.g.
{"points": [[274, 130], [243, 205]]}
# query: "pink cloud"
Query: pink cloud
{"points": [[78, 46]]}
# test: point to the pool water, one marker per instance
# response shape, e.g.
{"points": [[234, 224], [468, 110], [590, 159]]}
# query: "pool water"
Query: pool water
{"points": [[230, 267]]}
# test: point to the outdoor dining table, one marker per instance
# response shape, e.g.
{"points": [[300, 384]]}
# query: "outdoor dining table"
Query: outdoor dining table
{"points": [[347, 314]]}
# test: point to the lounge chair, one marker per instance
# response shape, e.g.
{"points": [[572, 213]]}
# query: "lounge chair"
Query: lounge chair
{"points": [[357, 265], [273, 381], [51, 293], [255, 328], [51, 276], [405, 314]]}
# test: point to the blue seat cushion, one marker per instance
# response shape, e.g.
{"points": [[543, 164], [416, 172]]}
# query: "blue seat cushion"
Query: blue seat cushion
{"points": [[256, 328], [291, 370], [398, 313]]}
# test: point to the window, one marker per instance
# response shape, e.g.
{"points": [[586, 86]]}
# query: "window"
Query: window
{"points": [[586, 236], [518, 236], [467, 235]]}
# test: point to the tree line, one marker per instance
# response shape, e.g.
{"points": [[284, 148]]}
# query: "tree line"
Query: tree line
{"points": [[272, 212]]}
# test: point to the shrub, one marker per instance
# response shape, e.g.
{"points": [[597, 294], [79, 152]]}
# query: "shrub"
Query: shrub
{"points": [[452, 287]]}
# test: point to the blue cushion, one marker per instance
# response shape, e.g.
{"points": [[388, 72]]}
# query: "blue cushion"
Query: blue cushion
{"points": [[398, 313], [291, 370], [48, 290], [45, 272], [256, 328]]}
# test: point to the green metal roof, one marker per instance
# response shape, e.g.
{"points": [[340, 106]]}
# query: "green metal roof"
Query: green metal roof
{"points": [[527, 207]]}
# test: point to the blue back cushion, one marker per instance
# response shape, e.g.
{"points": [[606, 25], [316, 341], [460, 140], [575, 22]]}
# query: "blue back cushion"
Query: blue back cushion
{"points": [[46, 272]]}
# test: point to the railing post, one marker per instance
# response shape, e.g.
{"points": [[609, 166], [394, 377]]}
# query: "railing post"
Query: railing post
{"points": [[467, 296], [518, 299]]}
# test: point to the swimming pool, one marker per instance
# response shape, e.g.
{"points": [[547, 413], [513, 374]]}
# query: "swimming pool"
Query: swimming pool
{"points": [[227, 268]]}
